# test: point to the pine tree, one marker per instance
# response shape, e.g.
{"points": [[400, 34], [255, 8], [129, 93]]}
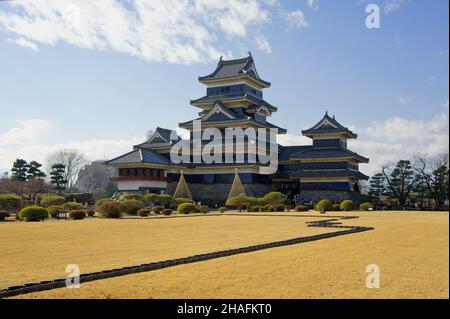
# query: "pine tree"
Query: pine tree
{"points": [[400, 181], [57, 177], [377, 187], [19, 170], [34, 170]]}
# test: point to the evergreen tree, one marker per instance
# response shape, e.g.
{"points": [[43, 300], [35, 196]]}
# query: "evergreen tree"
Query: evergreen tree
{"points": [[34, 170], [57, 177], [377, 188], [19, 170], [400, 181]]}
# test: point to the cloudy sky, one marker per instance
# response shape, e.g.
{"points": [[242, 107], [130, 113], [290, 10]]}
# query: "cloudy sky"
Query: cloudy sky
{"points": [[96, 75]]}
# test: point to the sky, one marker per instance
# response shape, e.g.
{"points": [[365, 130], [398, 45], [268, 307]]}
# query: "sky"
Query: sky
{"points": [[97, 75]]}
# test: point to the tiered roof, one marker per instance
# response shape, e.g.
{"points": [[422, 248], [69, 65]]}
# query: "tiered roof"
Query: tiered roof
{"points": [[315, 153], [160, 138], [140, 156], [234, 69], [328, 126]]}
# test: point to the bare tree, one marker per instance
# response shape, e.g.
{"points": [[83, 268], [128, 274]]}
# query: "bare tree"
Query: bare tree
{"points": [[94, 175], [434, 172], [27, 190], [73, 161]]}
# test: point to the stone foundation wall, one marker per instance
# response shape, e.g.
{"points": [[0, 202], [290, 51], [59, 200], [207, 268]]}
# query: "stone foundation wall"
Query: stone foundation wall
{"points": [[210, 194], [334, 196]]}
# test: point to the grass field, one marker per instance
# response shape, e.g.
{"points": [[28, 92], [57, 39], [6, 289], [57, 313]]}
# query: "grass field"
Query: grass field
{"points": [[41, 251], [411, 249]]}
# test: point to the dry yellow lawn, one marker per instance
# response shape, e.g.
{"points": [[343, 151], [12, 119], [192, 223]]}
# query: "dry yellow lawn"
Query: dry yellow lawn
{"points": [[40, 251], [411, 249]]}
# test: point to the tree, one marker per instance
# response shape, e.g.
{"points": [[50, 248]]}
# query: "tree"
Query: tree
{"points": [[19, 170], [57, 177], [73, 162], [27, 190], [275, 198], [400, 181], [377, 188], [435, 175], [95, 175], [34, 170]]}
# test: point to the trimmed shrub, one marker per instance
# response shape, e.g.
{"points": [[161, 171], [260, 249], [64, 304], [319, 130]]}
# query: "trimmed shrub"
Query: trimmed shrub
{"points": [[301, 208], [90, 212], [77, 214], [222, 209], [266, 208], [255, 209], [164, 199], [365, 206], [336, 207], [275, 198], [276, 208], [347, 205], [239, 201], [52, 201], [144, 212], [112, 209], [150, 198], [183, 200], [53, 211], [288, 208], [203, 209], [33, 213], [3, 214], [133, 196], [158, 209], [167, 212], [10, 202], [187, 208], [73, 206], [100, 202], [324, 205], [133, 205]]}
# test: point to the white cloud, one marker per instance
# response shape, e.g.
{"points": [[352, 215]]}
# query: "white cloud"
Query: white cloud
{"points": [[296, 19], [400, 138], [28, 132], [263, 44], [25, 43], [312, 4], [176, 31], [393, 5], [402, 100], [26, 141], [292, 139]]}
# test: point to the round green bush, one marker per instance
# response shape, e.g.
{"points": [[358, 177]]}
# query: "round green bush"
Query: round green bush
{"points": [[187, 208], [10, 202], [203, 209], [276, 208], [167, 211], [336, 207], [54, 210], [33, 213], [301, 208], [239, 201], [133, 196], [255, 209], [133, 205], [100, 202], [365, 206], [52, 201], [158, 209], [324, 205], [275, 198], [222, 209], [73, 206], [112, 209], [164, 199], [144, 212], [347, 205], [3, 214], [150, 198], [77, 214]]}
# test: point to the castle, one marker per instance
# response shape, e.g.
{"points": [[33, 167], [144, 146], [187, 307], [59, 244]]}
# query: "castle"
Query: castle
{"points": [[234, 99]]}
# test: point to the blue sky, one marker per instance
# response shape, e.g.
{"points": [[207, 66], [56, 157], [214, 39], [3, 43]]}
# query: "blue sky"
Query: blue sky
{"points": [[96, 76]]}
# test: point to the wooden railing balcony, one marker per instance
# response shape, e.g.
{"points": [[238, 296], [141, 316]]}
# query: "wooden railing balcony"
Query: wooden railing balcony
{"points": [[138, 178]]}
